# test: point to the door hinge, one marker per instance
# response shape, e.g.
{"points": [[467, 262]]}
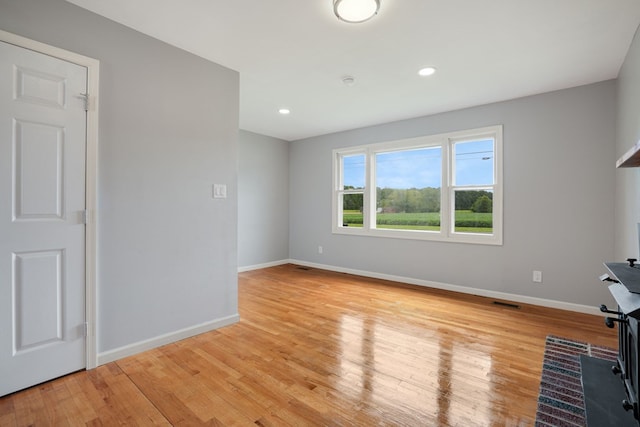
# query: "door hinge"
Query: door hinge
{"points": [[86, 99], [85, 216], [86, 329]]}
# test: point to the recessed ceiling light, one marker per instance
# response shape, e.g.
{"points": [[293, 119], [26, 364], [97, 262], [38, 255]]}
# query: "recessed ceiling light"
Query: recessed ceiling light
{"points": [[427, 71], [284, 111]]}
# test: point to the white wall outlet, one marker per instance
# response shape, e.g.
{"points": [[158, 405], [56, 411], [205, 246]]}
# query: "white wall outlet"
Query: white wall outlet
{"points": [[537, 276], [319, 249]]}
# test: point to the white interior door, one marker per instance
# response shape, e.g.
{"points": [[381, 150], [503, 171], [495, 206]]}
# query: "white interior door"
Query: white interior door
{"points": [[42, 232]]}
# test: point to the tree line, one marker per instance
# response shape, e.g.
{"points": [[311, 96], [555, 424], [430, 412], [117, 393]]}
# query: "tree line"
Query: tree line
{"points": [[394, 200]]}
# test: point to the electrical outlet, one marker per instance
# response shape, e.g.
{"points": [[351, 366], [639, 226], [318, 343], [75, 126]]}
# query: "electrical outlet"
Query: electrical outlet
{"points": [[537, 276], [319, 249]]}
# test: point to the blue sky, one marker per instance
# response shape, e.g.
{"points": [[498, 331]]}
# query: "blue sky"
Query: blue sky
{"points": [[422, 167]]}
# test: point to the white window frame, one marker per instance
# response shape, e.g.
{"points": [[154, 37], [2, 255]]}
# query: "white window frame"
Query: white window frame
{"points": [[447, 203], [339, 192]]}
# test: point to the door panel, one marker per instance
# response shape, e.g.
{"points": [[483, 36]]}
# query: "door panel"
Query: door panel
{"points": [[42, 235], [38, 171], [37, 305], [39, 88]]}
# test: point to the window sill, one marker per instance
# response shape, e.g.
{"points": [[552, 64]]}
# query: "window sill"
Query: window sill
{"points": [[468, 238]]}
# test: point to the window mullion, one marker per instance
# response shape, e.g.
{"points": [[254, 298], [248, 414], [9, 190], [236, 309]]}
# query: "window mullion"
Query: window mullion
{"points": [[370, 192], [336, 201], [339, 208], [445, 190]]}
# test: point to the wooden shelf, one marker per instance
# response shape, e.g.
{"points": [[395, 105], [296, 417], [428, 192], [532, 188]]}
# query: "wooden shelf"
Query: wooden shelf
{"points": [[630, 159]]}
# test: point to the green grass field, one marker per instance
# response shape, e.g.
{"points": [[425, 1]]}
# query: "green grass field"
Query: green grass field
{"points": [[466, 221]]}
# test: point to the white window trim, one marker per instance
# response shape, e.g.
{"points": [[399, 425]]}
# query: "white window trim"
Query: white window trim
{"points": [[447, 203]]}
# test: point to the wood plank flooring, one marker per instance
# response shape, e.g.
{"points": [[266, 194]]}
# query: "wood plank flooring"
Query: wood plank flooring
{"points": [[321, 348]]}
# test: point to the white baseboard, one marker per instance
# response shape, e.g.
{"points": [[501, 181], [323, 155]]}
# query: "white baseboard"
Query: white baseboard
{"points": [[561, 305], [139, 347], [265, 265], [135, 348]]}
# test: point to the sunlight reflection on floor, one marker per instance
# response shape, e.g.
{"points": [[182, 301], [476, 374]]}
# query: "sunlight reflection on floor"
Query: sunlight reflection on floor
{"points": [[372, 352]]}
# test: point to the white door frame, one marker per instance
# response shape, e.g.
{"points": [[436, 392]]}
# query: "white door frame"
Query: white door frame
{"points": [[91, 237]]}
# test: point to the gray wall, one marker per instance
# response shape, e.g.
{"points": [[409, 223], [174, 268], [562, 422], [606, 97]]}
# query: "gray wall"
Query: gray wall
{"points": [[263, 200], [628, 133], [167, 255], [558, 200]]}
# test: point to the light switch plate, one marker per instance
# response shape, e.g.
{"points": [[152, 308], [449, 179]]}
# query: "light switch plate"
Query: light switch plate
{"points": [[537, 276], [219, 191]]}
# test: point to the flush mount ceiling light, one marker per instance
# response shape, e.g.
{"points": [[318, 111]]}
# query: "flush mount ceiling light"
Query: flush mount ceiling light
{"points": [[427, 71], [284, 111], [355, 11]]}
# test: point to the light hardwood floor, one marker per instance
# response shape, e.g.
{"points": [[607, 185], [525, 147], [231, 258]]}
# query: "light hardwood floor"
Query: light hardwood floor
{"points": [[321, 348]]}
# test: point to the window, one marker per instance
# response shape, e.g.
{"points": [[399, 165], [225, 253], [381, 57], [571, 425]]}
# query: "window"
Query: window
{"points": [[352, 190], [443, 187]]}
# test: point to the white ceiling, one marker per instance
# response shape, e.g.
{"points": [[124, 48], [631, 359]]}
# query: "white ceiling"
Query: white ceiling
{"points": [[294, 53]]}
